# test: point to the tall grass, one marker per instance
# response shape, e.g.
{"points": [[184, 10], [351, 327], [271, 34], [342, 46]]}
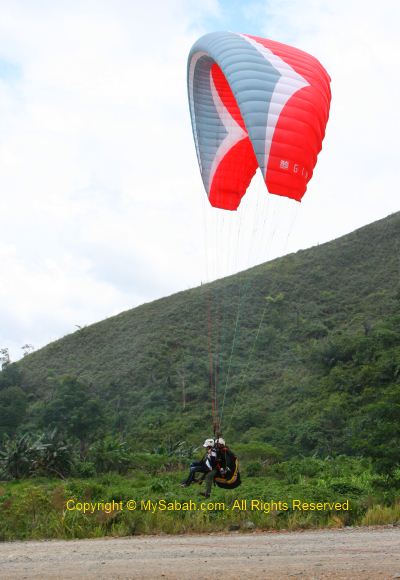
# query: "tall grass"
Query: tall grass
{"points": [[381, 515], [36, 508]]}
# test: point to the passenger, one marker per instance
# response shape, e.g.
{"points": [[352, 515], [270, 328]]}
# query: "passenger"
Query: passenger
{"points": [[205, 466]]}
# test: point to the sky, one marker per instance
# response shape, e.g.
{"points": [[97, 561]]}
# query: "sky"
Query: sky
{"points": [[102, 206]]}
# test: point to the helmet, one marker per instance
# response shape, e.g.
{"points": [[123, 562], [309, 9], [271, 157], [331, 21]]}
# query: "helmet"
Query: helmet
{"points": [[220, 441], [208, 443]]}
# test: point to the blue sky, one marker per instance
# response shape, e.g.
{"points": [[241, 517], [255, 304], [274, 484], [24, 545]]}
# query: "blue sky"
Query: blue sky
{"points": [[101, 201], [254, 17], [9, 71], [236, 16]]}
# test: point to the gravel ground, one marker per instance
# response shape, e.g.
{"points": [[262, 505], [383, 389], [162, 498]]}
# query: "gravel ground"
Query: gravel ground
{"points": [[351, 553]]}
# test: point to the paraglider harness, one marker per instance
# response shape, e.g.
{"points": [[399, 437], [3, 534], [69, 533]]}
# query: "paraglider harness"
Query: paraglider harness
{"points": [[228, 476], [225, 464]]}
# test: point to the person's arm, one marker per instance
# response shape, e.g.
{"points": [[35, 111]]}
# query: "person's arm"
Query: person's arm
{"points": [[215, 461]]}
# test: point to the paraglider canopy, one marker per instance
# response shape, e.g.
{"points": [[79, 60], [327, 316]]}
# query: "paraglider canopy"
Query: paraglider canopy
{"points": [[255, 103]]}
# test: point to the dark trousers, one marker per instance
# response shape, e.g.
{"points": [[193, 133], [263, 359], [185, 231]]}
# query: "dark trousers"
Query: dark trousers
{"points": [[209, 480], [196, 467]]}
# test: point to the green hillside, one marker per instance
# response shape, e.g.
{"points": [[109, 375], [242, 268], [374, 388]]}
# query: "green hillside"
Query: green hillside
{"points": [[312, 368]]}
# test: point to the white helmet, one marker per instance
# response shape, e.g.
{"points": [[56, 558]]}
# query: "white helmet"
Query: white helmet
{"points": [[208, 443], [220, 441]]}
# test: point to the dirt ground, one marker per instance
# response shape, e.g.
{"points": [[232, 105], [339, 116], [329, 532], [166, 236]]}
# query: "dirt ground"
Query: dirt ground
{"points": [[351, 553]]}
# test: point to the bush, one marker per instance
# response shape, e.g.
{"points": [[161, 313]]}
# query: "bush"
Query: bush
{"points": [[110, 454], [262, 452]]}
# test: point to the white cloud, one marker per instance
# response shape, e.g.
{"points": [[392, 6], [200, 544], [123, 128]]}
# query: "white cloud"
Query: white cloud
{"points": [[101, 202], [358, 43], [94, 162]]}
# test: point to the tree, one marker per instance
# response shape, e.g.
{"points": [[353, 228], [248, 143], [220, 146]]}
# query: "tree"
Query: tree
{"points": [[27, 455], [10, 376], [75, 412], [110, 454], [27, 349], [377, 431], [53, 455], [4, 358], [13, 403], [16, 457]]}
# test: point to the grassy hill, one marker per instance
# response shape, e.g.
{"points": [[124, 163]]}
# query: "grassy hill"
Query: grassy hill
{"points": [[305, 353]]}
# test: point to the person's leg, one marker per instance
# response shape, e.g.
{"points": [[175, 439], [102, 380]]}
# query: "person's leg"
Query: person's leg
{"points": [[194, 467], [202, 470], [209, 481]]}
